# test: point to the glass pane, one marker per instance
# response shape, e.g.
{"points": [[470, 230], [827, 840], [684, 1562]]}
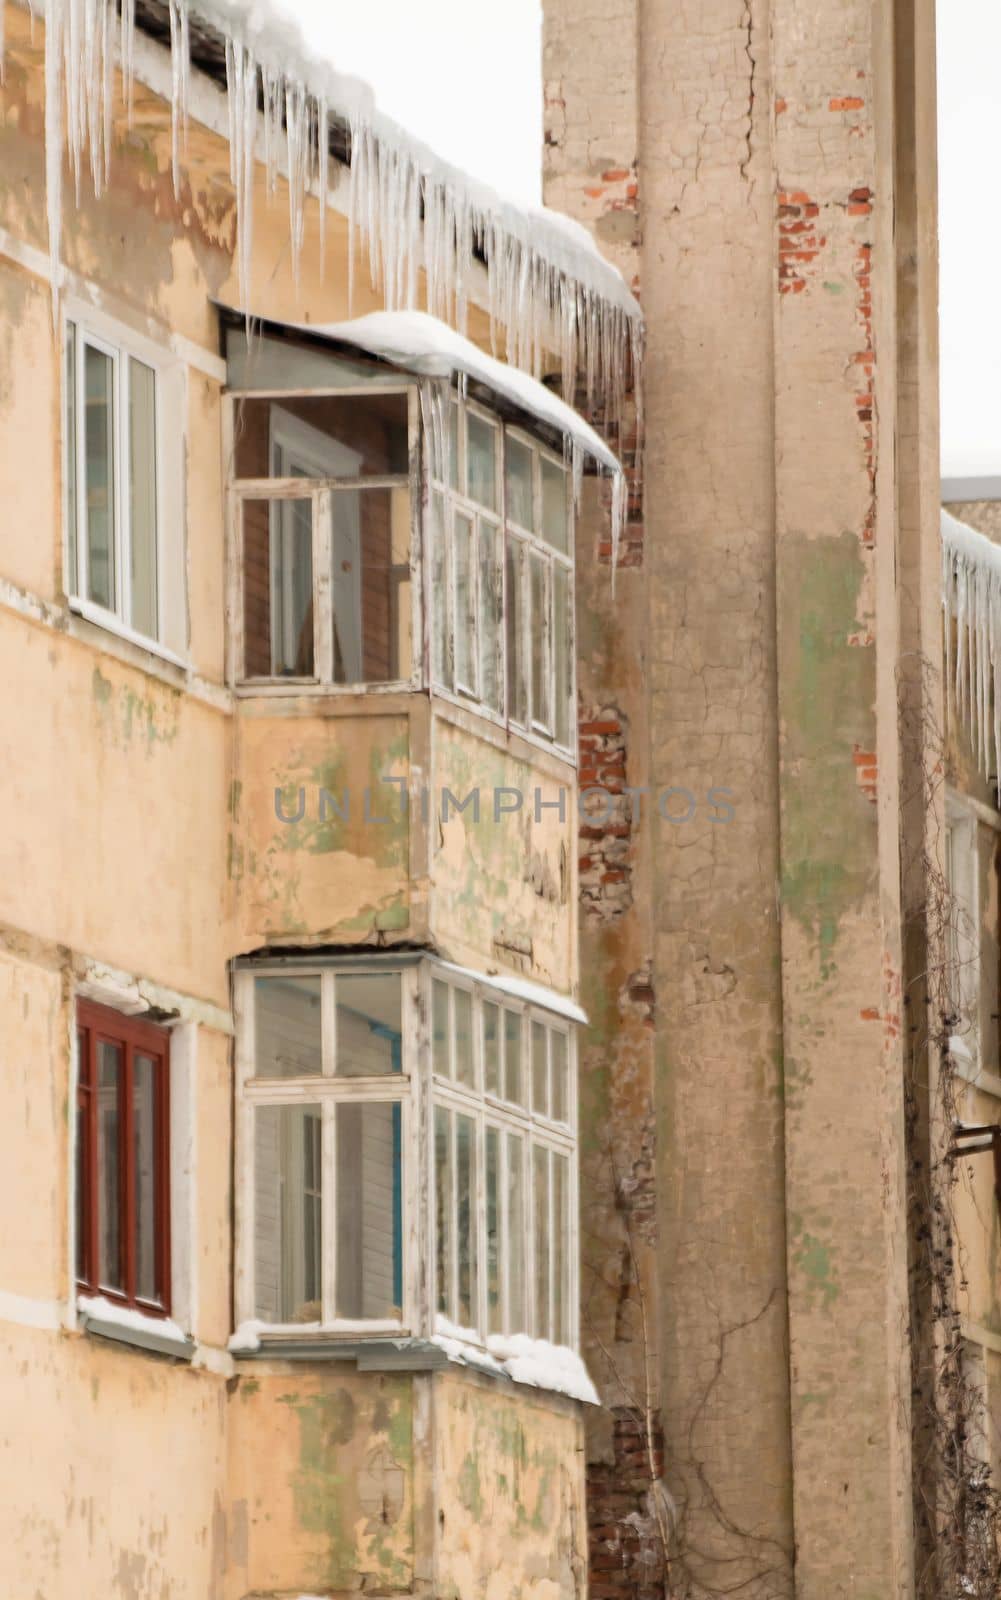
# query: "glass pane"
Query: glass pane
{"points": [[441, 659], [110, 1066], [465, 601], [518, 483], [465, 1174], [278, 588], [563, 652], [540, 623], [145, 1162], [83, 1173], [72, 579], [555, 521], [99, 451], [516, 695], [465, 1071], [491, 1047], [288, 1211], [561, 1249], [481, 461], [439, 1028], [540, 1169], [326, 436], [289, 1037], [371, 585], [453, 444], [517, 1311], [369, 1212], [512, 1058], [558, 1045], [491, 607], [142, 497], [443, 1209], [540, 1071], [369, 1025], [495, 1310]]}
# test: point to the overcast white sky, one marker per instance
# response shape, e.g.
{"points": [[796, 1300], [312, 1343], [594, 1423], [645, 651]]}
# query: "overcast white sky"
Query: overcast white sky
{"points": [[417, 54], [463, 75]]}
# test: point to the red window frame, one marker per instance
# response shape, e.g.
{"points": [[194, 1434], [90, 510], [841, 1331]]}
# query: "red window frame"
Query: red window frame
{"points": [[96, 1023]]}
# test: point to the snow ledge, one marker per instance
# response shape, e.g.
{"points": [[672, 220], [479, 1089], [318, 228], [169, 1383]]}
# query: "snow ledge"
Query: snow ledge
{"points": [[158, 1335]]}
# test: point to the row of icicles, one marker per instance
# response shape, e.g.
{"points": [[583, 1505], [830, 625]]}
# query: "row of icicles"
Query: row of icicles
{"points": [[413, 217], [971, 598]]}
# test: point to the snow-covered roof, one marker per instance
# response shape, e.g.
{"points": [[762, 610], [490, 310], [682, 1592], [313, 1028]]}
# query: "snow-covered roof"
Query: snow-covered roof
{"points": [[548, 286], [428, 347]]}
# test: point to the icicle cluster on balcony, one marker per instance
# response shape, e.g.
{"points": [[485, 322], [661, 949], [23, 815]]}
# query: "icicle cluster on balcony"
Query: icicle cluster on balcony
{"points": [[548, 287], [971, 597]]}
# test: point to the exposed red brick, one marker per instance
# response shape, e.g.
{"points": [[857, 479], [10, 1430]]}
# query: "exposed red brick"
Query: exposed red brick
{"points": [[848, 102]]}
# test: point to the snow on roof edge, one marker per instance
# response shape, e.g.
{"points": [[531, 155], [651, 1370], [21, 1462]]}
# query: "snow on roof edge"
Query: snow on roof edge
{"points": [[429, 348]]}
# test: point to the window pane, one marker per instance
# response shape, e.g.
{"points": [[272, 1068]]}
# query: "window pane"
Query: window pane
{"points": [[72, 579], [465, 601], [465, 1173], [369, 1025], [481, 457], [495, 1310], [517, 1310], [99, 449], [323, 436], [465, 1071], [518, 483], [512, 1058], [540, 1071], [145, 1161], [453, 444], [84, 1177], [516, 686], [540, 1167], [555, 521], [278, 588], [559, 1049], [110, 1068], [540, 625], [491, 607], [288, 1186], [563, 652], [369, 1212], [561, 1249], [289, 1038], [441, 659], [443, 1209], [439, 1028], [371, 585], [491, 1047], [142, 496]]}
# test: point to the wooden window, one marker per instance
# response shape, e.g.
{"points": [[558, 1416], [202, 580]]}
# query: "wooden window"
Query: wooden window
{"points": [[123, 1159], [500, 533]]}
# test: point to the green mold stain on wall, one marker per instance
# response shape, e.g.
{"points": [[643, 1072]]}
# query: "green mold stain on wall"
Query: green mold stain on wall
{"points": [[813, 1259], [827, 716]]}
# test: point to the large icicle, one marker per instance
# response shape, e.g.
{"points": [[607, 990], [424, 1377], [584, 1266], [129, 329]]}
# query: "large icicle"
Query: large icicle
{"points": [[971, 598], [548, 287]]}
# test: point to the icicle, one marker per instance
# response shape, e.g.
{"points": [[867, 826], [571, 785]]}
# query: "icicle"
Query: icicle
{"points": [[323, 176], [128, 53], [241, 83], [297, 122], [180, 63], [971, 598]]}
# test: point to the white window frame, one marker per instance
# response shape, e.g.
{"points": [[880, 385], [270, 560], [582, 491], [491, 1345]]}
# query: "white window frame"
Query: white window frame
{"points": [[121, 345], [293, 432], [454, 500], [418, 1089]]}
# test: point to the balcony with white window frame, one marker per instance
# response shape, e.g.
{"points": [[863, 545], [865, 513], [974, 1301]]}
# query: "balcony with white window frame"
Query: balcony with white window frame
{"points": [[406, 1157]]}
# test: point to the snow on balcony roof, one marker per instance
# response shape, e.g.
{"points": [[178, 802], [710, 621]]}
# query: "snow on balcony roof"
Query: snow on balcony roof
{"points": [[424, 345], [548, 286], [971, 594], [419, 343]]}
